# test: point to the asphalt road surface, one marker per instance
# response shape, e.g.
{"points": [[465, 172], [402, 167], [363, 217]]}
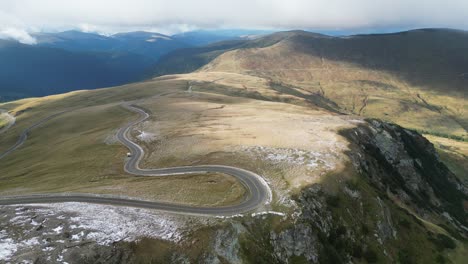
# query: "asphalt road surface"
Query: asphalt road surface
{"points": [[258, 190]]}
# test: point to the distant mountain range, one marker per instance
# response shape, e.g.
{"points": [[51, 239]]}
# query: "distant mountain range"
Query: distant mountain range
{"points": [[72, 60], [150, 45], [436, 58], [27, 71]]}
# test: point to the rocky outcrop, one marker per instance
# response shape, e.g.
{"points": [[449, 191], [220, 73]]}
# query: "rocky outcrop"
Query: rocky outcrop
{"points": [[406, 164], [300, 241], [400, 180]]}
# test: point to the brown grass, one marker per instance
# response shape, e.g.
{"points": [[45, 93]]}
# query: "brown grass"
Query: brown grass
{"points": [[356, 89]]}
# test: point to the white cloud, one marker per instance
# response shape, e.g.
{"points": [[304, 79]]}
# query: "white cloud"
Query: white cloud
{"points": [[17, 34], [173, 15]]}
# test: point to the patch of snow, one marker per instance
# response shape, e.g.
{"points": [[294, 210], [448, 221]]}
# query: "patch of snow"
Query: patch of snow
{"points": [[284, 198], [268, 212], [31, 242], [48, 249], [230, 216], [110, 224], [18, 212], [357, 121], [7, 246], [310, 159], [20, 219], [58, 230], [155, 38], [146, 136]]}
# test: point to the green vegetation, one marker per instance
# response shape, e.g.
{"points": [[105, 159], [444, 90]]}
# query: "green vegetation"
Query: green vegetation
{"points": [[454, 154], [190, 59], [414, 242], [443, 242], [442, 135], [77, 151]]}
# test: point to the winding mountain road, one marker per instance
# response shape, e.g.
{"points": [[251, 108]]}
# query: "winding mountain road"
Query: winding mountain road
{"points": [[259, 192], [24, 134]]}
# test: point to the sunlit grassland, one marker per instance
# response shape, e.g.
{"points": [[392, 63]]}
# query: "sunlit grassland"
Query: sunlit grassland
{"points": [[77, 151], [454, 154], [356, 89]]}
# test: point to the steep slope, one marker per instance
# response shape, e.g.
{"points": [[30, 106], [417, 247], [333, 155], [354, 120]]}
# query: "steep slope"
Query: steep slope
{"points": [[429, 58], [417, 78], [27, 71], [190, 59]]}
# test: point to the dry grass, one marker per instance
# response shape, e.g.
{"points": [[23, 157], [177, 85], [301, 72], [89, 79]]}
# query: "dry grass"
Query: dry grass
{"points": [[205, 128], [76, 152], [214, 124], [224, 117], [356, 89], [199, 190]]}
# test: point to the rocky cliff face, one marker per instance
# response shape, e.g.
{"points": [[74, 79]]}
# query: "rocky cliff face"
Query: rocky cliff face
{"points": [[400, 204], [406, 165]]}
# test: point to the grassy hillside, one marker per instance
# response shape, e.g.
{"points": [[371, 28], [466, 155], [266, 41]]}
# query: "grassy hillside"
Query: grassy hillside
{"points": [[416, 79], [190, 59], [430, 58], [454, 154], [333, 209], [78, 152], [207, 121]]}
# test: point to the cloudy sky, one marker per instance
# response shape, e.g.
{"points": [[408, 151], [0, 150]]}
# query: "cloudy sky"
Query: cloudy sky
{"points": [[20, 17]]}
